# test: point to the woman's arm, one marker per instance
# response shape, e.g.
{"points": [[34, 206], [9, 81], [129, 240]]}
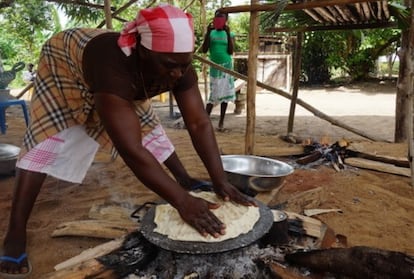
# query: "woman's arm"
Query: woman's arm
{"points": [[122, 124], [206, 42], [230, 40], [199, 126]]}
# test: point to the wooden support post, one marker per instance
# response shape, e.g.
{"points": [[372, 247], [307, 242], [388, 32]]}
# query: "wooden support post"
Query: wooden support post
{"points": [[251, 81], [296, 76], [410, 90]]}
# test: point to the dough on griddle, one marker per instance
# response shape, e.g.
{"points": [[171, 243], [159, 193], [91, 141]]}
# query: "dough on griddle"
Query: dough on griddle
{"points": [[239, 219]]}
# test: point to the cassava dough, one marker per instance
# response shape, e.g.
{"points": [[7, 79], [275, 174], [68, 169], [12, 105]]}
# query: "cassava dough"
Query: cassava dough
{"points": [[239, 219]]}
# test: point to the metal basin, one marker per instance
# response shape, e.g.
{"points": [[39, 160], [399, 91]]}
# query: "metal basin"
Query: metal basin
{"points": [[253, 174], [8, 158]]}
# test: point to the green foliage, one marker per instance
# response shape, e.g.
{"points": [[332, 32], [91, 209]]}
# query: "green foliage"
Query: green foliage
{"points": [[315, 59], [25, 26]]}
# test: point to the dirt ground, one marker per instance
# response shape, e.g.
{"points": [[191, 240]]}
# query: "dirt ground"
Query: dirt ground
{"points": [[377, 207]]}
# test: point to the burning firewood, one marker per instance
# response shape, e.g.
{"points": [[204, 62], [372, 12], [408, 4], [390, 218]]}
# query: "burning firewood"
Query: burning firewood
{"points": [[356, 262], [334, 153]]}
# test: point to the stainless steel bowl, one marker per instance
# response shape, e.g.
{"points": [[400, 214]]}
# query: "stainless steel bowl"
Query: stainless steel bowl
{"points": [[253, 174], [8, 158]]}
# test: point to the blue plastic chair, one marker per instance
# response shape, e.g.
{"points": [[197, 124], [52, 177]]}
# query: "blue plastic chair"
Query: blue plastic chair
{"points": [[4, 105]]}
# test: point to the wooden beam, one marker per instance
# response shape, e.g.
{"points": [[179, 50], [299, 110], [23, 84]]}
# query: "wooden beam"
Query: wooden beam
{"points": [[80, 3], [290, 7], [333, 27]]}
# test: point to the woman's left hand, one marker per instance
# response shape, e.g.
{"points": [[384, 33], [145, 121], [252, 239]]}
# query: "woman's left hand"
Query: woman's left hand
{"points": [[230, 193]]}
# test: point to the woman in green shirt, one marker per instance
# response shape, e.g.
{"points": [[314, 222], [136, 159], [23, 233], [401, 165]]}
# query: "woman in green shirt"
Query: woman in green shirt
{"points": [[219, 41]]}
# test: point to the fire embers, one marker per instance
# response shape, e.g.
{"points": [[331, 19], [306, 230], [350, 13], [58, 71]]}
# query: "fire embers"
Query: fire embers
{"points": [[321, 152]]}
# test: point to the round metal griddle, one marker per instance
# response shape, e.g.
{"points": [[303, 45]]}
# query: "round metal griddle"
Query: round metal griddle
{"points": [[261, 227]]}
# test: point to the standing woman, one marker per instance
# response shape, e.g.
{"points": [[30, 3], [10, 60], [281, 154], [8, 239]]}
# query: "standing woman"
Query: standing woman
{"points": [[219, 41]]}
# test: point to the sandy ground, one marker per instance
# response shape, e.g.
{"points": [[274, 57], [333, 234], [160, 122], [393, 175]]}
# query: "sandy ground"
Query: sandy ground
{"points": [[377, 207]]}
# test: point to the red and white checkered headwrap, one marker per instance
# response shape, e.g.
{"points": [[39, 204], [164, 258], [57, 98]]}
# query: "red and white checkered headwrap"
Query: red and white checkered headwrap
{"points": [[164, 28]]}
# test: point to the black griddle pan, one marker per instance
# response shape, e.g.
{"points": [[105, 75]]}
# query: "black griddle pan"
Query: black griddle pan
{"points": [[261, 227]]}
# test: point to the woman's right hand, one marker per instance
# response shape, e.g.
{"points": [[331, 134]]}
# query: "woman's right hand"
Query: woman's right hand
{"points": [[196, 212]]}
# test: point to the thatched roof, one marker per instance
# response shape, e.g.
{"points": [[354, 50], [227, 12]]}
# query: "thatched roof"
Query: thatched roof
{"points": [[352, 13], [329, 14]]}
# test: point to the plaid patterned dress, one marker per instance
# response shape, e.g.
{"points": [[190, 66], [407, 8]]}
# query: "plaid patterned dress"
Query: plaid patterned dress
{"points": [[61, 98]]}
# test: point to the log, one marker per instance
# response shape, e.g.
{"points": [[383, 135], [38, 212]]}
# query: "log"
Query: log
{"points": [[397, 161], [356, 262], [284, 272], [311, 226], [91, 253], [94, 228], [308, 199], [134, 253], [88, 269], [377, 166], [114, 212], [312, 157]]}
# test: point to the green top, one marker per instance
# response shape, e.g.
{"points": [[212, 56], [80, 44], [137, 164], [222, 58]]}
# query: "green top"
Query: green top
{"points": [[218, 46]]}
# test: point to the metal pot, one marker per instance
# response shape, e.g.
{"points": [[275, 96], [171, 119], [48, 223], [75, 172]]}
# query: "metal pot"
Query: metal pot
{"points": [[253, 174], [8, 158]]}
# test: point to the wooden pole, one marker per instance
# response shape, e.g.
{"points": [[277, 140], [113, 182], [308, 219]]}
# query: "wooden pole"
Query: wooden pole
{"points": [[204, 67], [376, 25], [296, 76], [410, 89], [24, 90], [108, 15], [251, 81]]}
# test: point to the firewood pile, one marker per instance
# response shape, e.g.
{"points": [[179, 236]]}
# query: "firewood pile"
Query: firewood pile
{"points": [[319, 152], [135, 257], [342, 154], [310, 250]]}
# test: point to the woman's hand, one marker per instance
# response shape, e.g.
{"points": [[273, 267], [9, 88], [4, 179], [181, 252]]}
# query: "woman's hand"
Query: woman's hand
{"points": [[230, 193], [196, 212]]}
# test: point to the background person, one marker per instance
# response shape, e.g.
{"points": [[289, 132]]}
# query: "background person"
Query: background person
{"points": [[29, 75], [92, 90], [219, 41]]}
